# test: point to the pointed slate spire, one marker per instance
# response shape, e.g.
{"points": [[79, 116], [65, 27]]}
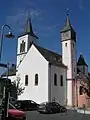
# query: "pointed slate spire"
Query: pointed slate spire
{"points": [[67, 24], [81, 61], [28, 27]]}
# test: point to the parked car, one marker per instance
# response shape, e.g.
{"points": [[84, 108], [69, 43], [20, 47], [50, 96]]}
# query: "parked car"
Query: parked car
{"points": [[14, 114], [51, 107], [26, 105], [12, 100]]}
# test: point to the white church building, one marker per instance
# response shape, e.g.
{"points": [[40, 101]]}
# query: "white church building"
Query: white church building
{"points": [[46, 75]]}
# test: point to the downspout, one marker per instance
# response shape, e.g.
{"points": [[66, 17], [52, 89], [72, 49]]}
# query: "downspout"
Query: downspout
{"points": [[49, 83]]}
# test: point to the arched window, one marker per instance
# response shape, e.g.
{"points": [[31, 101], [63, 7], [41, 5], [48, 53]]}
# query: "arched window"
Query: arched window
{"points": [[36, 79], [22, 47], [61, 80], [26, 80], [55, 79], [65, 44]]}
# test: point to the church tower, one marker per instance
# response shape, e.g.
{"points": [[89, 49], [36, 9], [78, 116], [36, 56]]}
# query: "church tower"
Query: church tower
{"points": [[68, 39], [25, 40]]}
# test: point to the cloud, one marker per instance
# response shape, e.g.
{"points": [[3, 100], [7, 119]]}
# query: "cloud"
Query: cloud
{"points": [[18, 19], [46, 30], [81, 4]]}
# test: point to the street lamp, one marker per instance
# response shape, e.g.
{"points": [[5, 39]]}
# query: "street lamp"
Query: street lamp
{"points": [[6, 92], [9, 35]]}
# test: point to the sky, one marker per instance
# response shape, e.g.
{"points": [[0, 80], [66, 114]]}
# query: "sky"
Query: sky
{"points": [[48, 18]]}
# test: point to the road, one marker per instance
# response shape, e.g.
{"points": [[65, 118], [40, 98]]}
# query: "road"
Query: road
{"points": [[71, 115]]}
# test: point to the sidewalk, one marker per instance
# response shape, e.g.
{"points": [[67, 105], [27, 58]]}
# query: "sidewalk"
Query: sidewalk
{"points": [[79, 110]]}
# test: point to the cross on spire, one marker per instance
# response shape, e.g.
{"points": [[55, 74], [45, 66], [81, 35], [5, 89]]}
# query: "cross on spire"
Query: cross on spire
{"points": [[67, 12], [68, 21]]}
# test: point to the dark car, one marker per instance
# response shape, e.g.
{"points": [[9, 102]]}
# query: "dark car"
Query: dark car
{"points": [[14, 114], [51, 107], [26, 105]]}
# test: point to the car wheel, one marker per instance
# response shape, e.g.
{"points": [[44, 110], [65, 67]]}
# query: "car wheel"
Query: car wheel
{"points": [[51, 111], [63, 110], [24, 118]]}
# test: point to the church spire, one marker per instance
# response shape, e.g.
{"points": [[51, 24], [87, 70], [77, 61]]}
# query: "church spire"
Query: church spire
{"points": [[28, 27], [67, 24], [28, 30]]}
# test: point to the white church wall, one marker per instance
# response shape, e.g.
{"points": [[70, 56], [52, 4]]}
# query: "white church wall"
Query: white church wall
{"points": [[58, 92], [67, 60], [34, 63]]}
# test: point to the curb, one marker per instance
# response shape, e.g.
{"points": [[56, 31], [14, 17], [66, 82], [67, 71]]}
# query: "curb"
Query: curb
{"points": [[83, 111]]}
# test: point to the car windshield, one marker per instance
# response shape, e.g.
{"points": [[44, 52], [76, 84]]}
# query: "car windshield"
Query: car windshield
{"points": [[33, 102], [11, 106], [18, 102], [44, 103]]}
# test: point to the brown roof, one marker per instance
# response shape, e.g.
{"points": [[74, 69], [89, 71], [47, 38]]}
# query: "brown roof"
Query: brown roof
{"points": [[52, 57]]}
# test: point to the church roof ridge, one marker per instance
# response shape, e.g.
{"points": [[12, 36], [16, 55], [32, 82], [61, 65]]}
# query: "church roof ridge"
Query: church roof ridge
{"points": [[51, 56]]}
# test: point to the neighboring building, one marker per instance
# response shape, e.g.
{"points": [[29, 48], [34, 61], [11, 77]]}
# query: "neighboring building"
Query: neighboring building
{"points": [[46, 75]]}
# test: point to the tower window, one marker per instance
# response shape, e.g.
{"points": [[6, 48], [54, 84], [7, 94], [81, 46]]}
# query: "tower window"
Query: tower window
{"points": [[36, 79], [22, 47], [73, 45], [61, 80], [55, 79], [26, 80], [65, 44]]}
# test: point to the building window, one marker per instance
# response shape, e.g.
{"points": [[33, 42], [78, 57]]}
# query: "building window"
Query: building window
{"points": [[61, 80], [55, 79], [65, 44], [74, 69], [36, 79], [73, 45], [22, 47], [26, 80]]}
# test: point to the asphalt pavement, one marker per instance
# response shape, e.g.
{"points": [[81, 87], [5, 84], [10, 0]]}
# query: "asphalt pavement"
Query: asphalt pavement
{"points": [[70, 115]]}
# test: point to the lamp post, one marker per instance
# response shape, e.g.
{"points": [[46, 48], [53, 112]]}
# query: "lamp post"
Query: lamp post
{"points": [[6, 91], [9, 35]]}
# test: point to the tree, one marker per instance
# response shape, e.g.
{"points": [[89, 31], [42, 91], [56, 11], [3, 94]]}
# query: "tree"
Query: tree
{"points": [[17, 86]]}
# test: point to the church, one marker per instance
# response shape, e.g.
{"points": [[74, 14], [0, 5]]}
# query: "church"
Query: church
{"points": [[46, 75]]}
